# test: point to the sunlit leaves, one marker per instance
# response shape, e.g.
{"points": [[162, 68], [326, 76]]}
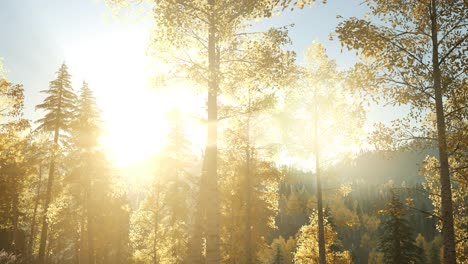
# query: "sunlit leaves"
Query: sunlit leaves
{"points": [[307, 244], [319, 100], [11, 99]]}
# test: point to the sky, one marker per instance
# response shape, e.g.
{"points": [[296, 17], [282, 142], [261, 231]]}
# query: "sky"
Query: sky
{"points": [[110, 54]]}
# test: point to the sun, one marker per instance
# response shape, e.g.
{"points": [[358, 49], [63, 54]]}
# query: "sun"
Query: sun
{"points": [[135, 127], [134, 116]]}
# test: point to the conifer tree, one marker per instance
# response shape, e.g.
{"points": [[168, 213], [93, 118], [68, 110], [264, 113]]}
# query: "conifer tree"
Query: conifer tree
{"points": [[59, 106], [414, 53], [278, 256], [85, 131], [396, 239]]}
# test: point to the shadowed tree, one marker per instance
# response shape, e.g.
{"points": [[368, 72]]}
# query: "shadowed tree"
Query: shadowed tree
{"points": [[396, 239]]}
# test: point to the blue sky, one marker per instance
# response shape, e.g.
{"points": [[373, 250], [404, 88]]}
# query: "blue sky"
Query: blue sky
{"points": [[37, 36]]}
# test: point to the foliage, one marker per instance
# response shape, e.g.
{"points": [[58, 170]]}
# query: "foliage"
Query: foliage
{"points": [[59, 104], [11, 99], [307, 244], [414, 55], [459, 196], [396, 239], [159, 226]]}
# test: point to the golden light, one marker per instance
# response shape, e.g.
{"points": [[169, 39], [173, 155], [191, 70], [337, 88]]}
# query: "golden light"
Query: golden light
{"points": [[134, 114]]}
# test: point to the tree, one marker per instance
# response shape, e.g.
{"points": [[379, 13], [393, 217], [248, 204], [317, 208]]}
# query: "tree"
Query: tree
{"points": [[252, 87], [307, 244], [414, 56], [278, 256], [279, 251], [459, 194], [396, 239], [14, 164], [14, 172], [11, 99], [59, 107], [319, 107], [160, 225], [205, 32], [85, 131]]}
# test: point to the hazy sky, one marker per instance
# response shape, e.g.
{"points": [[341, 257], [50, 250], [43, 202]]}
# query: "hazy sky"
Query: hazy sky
{"points": [[37, 36]]}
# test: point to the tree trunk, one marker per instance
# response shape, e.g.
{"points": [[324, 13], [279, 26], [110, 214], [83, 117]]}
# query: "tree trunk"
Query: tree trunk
{"points": [[195, 247], [213, 255], [321, 232], [15, 217], [156, 217], [248, 190], [82, 253], [50, 181], [90, 222], [448, 233], [33, 221]]}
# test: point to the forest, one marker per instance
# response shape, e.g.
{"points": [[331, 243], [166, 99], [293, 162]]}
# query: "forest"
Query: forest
{"points": [[264, 153]]}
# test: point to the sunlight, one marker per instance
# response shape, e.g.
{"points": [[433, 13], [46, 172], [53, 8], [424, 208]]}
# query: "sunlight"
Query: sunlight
{"points": [[134, 114]]}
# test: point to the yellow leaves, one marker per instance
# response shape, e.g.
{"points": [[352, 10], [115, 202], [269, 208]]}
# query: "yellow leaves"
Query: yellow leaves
{"points": [[345, 189], [307, 244]]}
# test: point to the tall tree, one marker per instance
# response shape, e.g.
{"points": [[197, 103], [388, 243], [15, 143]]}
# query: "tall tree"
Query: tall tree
{"points": [[396, 240], [14, 167], [324, 119], [59, 107], [85, 132], [253, 89], [164, 216], [205, 31], [415, 54]]}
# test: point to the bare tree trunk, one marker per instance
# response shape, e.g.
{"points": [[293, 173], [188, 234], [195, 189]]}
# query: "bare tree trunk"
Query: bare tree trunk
{"points": [[248, 190], [321, 229], [90, 222], [448, 233], [156, 217], [82, 256], [213, 255]]}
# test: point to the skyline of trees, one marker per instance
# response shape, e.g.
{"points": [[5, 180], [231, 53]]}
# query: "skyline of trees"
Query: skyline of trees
{"points": [[237, 201]]}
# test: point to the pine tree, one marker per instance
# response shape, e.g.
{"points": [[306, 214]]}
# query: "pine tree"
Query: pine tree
{"points": [[413, 54], [59, 107], [86, 122], [85, 132], [278, 256], [163, 218], [396, 239]]}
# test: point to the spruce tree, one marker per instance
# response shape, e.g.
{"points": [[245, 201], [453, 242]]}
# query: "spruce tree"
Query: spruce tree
{"points": [[396, 238], [278, 256], [86, 122], [59, 107], [85, 133]]}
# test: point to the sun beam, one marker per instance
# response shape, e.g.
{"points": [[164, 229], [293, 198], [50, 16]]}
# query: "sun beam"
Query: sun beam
{"points": [[134, 114]]}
